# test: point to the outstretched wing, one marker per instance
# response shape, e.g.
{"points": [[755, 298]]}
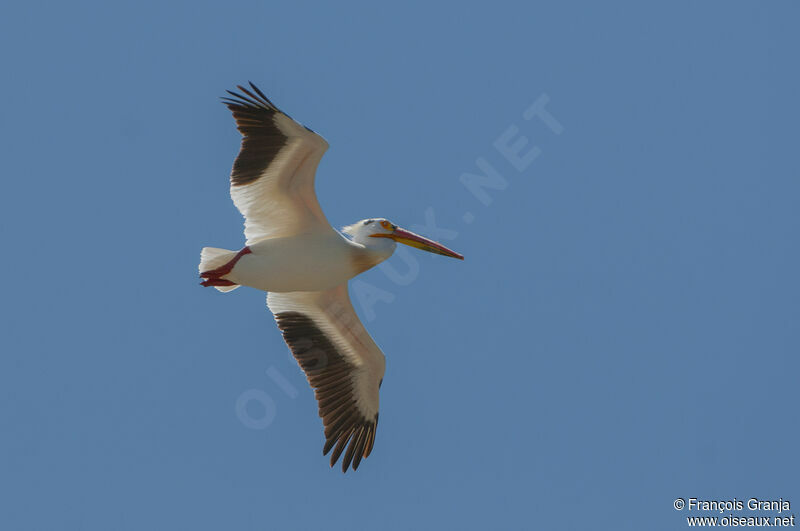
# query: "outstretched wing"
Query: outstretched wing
{"points": [[272, 181], [342, 363]]}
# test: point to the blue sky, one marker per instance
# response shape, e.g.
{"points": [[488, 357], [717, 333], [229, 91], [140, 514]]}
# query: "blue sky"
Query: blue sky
{"points": [[622, 332]]}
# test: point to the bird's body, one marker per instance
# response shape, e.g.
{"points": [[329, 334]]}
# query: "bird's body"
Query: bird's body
{"points": [[304, 264], [307, 262]]}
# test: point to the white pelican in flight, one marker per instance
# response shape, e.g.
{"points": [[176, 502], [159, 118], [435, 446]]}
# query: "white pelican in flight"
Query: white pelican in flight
{"points": [[304, 264]]}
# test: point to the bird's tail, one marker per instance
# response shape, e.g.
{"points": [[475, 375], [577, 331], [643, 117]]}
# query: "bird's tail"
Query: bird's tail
{"points": [[212, 258]]}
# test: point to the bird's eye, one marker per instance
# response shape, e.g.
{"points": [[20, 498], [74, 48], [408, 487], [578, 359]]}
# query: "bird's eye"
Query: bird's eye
{"points": [[386, 225]]}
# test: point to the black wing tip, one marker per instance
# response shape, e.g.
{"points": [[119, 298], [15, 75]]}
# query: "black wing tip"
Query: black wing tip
{"points": [[254, 101], [258, 91], [246, 98], [252, 97], [352, 445]]}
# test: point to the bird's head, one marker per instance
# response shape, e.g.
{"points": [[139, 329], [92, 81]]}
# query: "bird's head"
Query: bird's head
{"points": [[375, 232]]}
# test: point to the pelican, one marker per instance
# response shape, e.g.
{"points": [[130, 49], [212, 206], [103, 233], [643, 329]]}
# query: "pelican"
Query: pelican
{"points": [[293, 253]]}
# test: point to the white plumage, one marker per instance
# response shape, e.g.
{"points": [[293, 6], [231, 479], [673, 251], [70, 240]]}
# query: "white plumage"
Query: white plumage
{"points": [[294, 254]]}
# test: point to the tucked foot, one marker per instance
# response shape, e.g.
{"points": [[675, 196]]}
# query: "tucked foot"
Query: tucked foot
{"points": [[217, 282], [224, 269]]}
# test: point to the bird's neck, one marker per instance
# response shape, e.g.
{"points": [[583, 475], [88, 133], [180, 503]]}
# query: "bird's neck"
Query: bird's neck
{"points": [[366, 257]]}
